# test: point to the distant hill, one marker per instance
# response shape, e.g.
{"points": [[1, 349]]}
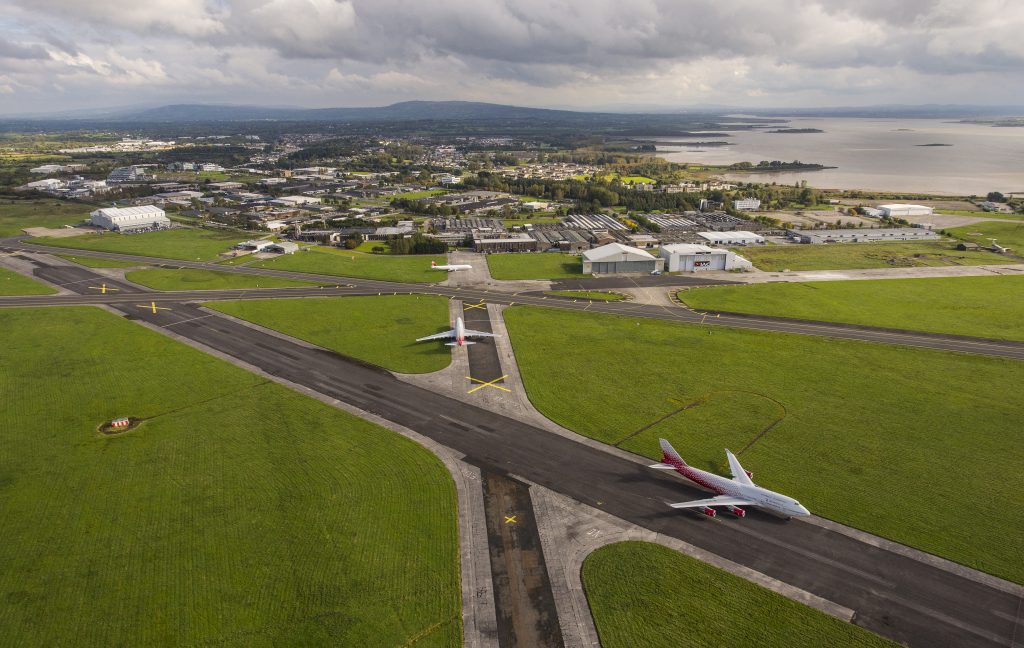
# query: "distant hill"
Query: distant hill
{"points": [[404, 111]]}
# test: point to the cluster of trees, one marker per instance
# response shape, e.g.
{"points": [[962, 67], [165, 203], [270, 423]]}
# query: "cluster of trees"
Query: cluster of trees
{"points": [[775, 165], [416, 244]]}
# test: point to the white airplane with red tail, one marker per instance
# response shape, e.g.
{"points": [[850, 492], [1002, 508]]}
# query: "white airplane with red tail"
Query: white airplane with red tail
{"points": [[458, 335], [451, 267], [731, 493]]}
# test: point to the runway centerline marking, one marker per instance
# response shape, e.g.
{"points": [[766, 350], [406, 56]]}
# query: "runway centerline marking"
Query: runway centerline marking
{"points": [[488, 383]]}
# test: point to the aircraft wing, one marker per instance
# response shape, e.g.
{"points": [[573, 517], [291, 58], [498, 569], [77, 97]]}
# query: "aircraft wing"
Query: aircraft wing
{"points": [[738, 474], [472, 333], [447, 335], [721, 500]]}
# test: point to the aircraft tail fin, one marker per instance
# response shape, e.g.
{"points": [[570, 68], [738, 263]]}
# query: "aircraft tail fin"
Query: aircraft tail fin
{"points": [[433, 264], [669, 455]]}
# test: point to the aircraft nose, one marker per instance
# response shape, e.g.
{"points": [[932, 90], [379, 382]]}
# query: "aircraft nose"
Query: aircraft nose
{"points": [[803, 511]]}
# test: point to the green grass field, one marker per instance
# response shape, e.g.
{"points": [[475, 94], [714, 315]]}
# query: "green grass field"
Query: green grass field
{"points": [[990, 306], [98, 262], [643, 594], [238, 513], [18, 214], [347, 263], [182, 243], [535, 266], [590, 295], [191, 279], [840, 425], [380, 330], [1008, 234], [851, 256], [12, 283]]}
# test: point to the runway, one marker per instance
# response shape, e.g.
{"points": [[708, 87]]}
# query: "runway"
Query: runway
{"points": [[355, 286], [894, 595]]}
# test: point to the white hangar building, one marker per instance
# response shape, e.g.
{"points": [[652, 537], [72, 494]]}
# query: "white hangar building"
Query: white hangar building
{"points": [[130, 219], [686, 257], [616, 258]]}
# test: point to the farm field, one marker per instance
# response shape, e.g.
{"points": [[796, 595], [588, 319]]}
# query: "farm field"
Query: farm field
{"points": [[348, 263], [379, 330], [18, 214], [239, 512], [193, 279], [181, 243], [979, 306], [840, 425], [12, 283], [538, 265], [1008, 234], [98, 262], [851, 256], [643, 594]]}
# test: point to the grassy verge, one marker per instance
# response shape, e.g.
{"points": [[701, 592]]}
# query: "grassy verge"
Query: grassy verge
{"points": [[182, 243], [851, 256], [591, 295], [12, 283], [98, 262], [979, 306], [840, 425], [535, 266], [239, 512], [348, 263], [192, 279], [16, 215], [379, 330], [643, 594]]}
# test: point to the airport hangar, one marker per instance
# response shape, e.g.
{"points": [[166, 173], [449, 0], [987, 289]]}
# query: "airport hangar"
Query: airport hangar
{"points": [[686, 257], [616, 258], [130, 219]]}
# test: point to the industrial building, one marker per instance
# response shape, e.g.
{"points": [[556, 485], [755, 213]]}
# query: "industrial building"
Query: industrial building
{"points": [[254, 246], [684, 257], [739, 237], [508, 243], [283, 247], [131, 219], [899, 210], [862, 235], [127, 174], [616, 258], [746, 204]]}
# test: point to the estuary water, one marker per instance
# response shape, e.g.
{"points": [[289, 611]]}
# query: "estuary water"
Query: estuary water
{"points": [[879, 154]]}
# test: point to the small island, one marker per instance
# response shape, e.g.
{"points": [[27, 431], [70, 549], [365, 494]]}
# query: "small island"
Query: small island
{"points": [[933, 145], [776, 165], [796, 131]]}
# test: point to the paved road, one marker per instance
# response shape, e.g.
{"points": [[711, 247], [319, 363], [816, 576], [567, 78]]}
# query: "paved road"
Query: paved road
{"points": [[353, 286], [896, 596]]}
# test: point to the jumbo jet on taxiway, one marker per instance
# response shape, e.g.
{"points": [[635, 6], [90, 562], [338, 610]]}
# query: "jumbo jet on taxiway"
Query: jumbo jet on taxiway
{"points": [[451, 267], [457, 334], [732, 493]]}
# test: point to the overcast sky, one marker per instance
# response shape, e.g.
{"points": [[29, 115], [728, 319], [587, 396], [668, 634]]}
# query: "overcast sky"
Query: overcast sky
{"points": [[66, 54]]}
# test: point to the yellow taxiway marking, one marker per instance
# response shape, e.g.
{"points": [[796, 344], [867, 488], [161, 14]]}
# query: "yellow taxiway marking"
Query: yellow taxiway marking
{"points": [[510, 519], [484, 383], [482, 304], [103, 288], [152, 306]]}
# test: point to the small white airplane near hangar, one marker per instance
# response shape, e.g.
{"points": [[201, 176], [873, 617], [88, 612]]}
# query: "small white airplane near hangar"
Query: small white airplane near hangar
{"points": [[458, 335], [731, 493], [451, 267]]}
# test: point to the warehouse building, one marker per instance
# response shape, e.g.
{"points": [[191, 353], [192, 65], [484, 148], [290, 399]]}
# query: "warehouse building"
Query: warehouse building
{"points": [[739, 237], [900, 211], [283, 247], [684, 257], [509, 243], [862, 235], [130, 219], [616, 258]]}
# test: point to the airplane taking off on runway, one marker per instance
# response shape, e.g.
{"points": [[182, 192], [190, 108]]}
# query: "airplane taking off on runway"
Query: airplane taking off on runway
{"points": [[450, 267], [459, 334], [732, 493]]}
